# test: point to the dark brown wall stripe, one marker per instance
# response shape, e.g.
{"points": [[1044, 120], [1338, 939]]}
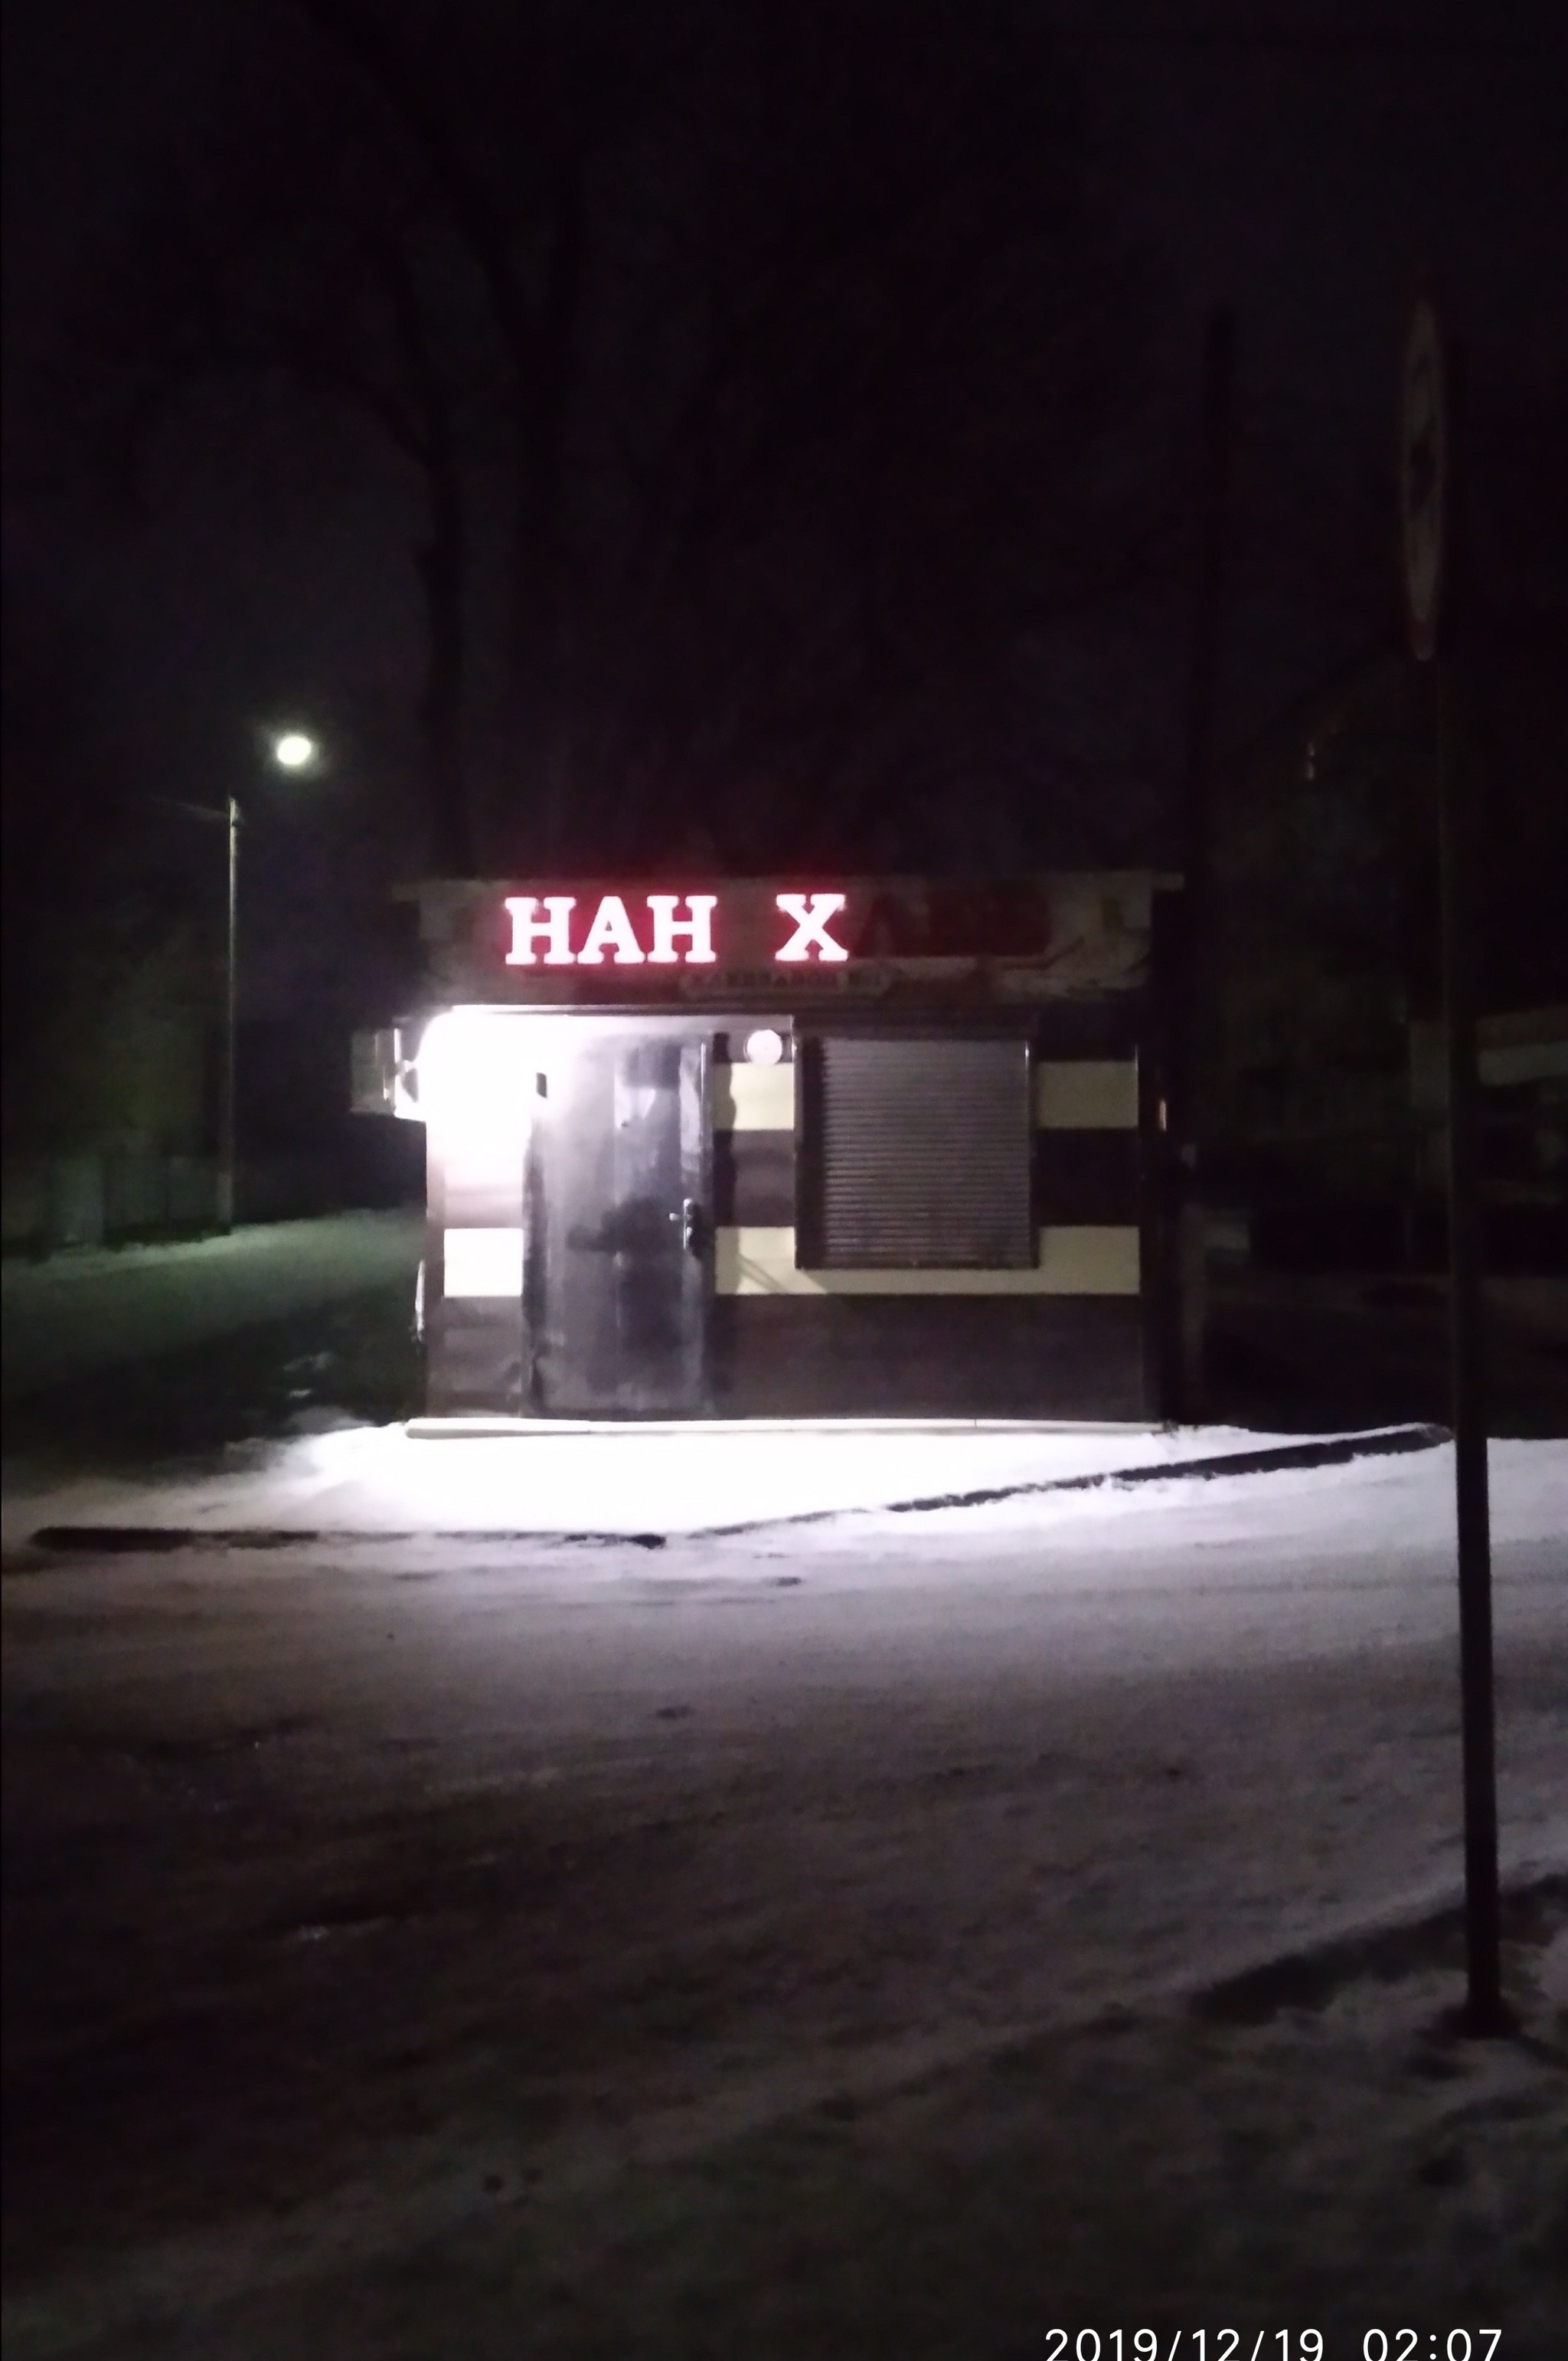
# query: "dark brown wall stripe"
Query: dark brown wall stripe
{"points": [[474, 1358], [754, 1180], [1086, 1176], [1080, 1177], [911, 1357]]}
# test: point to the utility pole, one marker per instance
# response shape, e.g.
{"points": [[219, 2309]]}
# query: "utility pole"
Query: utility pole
{"points": [[290, 750], [228, 1099], [1425, 473], [1182, 1276]]}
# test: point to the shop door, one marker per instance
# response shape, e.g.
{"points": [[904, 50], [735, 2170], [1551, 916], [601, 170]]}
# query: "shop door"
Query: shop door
{"points": [[618, 1272]]}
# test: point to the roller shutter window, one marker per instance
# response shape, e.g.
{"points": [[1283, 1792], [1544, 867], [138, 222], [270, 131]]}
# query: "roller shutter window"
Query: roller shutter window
{"points": [[915, 1155]]}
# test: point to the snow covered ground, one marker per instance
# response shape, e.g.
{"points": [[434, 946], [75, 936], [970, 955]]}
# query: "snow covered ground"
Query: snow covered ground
{"points": [[908, 1931], [684, 1478]]}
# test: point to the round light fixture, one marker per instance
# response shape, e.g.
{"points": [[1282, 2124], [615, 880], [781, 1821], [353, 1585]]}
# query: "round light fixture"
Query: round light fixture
{"points": [[764, 1048], [293, 750]]}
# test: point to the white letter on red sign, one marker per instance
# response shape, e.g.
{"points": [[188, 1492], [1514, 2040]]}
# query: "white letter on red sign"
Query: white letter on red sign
{"points": [[811, 913], [698, 929], [526, 929], [611, 930]]}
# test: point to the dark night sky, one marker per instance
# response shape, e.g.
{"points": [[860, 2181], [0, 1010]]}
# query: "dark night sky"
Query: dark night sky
{"points": [[1298, 160]]}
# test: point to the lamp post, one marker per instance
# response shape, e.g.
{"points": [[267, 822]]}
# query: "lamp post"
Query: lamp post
{"points": [[231, 1025], [288, 750]]}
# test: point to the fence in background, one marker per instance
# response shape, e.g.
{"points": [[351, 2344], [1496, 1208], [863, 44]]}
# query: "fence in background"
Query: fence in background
{"points": [[57, 1202]]}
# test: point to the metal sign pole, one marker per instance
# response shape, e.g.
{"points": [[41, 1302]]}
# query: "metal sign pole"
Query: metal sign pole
{"points": [[1483, 2010], [229, 1101], [1423, 483], [1181, 1280]]}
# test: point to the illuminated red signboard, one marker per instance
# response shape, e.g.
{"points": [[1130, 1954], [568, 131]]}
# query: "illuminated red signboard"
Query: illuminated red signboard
{"points": [[663, 929], [583, 938]]}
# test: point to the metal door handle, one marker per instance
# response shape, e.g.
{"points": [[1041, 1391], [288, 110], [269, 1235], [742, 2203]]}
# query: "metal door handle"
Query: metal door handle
{"points": [[692, 1225]]}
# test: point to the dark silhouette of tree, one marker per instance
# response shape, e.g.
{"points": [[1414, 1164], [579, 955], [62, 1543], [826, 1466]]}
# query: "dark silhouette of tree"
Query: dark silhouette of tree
{"points": [[875, 469], [105, 978], [768, 393], [296, 253]]}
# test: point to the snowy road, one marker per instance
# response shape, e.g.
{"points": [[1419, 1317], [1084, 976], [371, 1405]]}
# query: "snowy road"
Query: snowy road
{"points": [[349, 1880]]}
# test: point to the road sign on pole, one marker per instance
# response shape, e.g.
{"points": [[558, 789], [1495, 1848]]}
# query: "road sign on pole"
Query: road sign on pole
{"points": [[1423, 476], [1425, 455]]}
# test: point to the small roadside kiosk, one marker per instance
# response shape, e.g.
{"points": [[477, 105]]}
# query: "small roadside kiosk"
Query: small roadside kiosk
{"points": [[759, 1150]]}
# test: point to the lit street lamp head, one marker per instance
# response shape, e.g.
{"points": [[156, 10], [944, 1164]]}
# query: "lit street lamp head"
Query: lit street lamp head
{"points": [[294, 750]]}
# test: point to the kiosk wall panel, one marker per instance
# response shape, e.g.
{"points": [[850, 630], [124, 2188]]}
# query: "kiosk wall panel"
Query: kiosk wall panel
{"points": [[920, 1356]]}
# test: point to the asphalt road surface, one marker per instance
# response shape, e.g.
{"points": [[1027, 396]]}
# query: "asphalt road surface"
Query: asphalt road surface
{"points": [[849, 1938]]}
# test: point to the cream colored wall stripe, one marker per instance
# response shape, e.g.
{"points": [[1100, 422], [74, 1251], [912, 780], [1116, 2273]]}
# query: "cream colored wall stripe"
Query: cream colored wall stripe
{"points": [[753, 1098], [1070, 1094], [1081, 1260], [1100, 1258], [1086, 1095], [486, 1262]]}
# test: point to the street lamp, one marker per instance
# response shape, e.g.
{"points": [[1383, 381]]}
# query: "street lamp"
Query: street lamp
{"points": [[294, 750], [288, 749]]}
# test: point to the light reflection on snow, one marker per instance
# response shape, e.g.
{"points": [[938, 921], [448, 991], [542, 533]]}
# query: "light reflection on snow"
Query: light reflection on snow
{"points": [[693, 1480], [689, 1478]]}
